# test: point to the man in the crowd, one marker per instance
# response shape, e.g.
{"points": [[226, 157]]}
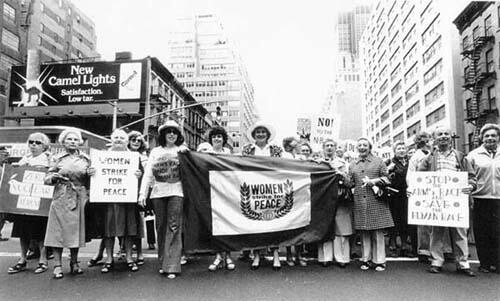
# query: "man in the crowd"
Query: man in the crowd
{"points": [[443, 159]]}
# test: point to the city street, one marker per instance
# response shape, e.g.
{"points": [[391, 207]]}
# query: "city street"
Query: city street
{"points": [[403, 280]]}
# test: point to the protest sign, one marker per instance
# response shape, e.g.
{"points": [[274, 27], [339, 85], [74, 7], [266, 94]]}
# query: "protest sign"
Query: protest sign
{"points": [[324, 127], [115, 180], [437, 199], [23, 191]]}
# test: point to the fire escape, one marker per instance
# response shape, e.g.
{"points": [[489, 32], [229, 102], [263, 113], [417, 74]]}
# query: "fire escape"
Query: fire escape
{"points": [[478, 108]]}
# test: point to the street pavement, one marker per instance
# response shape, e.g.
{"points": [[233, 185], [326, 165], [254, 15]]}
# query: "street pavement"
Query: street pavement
{"points": [[404, 279]]}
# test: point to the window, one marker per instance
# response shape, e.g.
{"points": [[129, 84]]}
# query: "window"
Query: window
{"points": [[433, 72], [42, 7], [410, 56], [398, 104], [395, 72], [397, 122], [383, 87], [384, 116], [399, 137], [384, 101], [491, 97], [432, 50], [431, 31], [414, 109], [435, 116], [490, 66], [396, 89], [411, 91], [9, 13], [10, 39], [465, 43], [412, 130], [434, 94], [475, 33], [385, 131], [488, 30], [411, 73]]}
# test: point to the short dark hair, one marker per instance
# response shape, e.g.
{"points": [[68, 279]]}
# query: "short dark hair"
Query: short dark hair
{"points": [[287, 141], [163, 141], [421, 139], [217, 130]]}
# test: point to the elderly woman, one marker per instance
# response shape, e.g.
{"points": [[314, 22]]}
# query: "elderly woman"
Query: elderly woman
{"points": [[120, 219], [28, 227], [398, 203], [305, 150], [162, 174], [368, 174], [339, 247], [217, 138], [262, 134], [66, 222], [485, 161]]}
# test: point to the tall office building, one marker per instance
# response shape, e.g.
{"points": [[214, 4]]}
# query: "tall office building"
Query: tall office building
{"points": [[55, 28], [411, 64], [207, 64], [344, 96]]}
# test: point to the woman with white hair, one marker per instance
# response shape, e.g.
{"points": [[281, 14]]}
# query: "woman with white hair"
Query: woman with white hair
{"points": [[66, 221], [30, 227]]}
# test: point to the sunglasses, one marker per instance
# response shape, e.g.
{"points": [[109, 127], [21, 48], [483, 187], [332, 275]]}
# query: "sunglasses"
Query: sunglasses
{"points": [[136, 140], [170, 131], [35, 142]]}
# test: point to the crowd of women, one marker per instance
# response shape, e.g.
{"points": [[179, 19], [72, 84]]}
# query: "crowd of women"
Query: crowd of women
{"points": [[372, 203]]}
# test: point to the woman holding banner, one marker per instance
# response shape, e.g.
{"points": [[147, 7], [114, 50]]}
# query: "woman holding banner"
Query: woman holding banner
{"points": [[217, 138], [120, 219], [368, 174], [66, 221], [30, 227], [162, 174], [262, 134]]}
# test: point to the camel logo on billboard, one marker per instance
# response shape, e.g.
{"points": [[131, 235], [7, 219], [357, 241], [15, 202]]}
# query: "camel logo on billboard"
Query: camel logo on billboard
{"points": [[77, 83]]}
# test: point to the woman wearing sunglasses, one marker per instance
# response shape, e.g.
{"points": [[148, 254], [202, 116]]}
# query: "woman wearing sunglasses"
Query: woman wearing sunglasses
{"points": [[30, 227], [162, 175]]}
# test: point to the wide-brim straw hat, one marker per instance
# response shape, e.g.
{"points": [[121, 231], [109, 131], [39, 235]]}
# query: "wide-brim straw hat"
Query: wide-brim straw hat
{"points": [[261, 124], [169, 124]]}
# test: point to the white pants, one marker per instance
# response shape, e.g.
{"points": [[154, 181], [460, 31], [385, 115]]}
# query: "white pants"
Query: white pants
{"points": [[373, 246], [337, 248], [438, 245]]}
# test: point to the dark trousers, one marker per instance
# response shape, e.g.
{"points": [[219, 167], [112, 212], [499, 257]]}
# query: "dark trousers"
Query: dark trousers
{"points": [[168, 214], [398, 204], [486, 221], [150, 232]]}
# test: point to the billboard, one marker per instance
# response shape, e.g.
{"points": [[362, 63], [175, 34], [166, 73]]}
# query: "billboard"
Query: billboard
{"points": [[77, 84]]}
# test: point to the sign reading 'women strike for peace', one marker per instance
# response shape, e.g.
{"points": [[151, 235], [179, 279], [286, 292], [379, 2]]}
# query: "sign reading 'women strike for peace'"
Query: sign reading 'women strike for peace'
{"points": [[114, 180], [437, 199]]}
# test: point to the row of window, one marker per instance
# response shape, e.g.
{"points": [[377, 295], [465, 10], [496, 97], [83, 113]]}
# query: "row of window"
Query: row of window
{"points": [[10, 39]]}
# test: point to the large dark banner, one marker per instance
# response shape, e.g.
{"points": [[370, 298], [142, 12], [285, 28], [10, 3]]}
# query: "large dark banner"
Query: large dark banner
{"points": [[235, 202], [76, 83], [22, 191]]}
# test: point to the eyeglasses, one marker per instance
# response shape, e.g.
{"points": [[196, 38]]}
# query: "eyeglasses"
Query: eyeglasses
{"points": [[136, 140], [170, 131], [35, 142]]}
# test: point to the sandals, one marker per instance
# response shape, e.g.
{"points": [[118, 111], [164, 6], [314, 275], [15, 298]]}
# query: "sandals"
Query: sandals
{"points": [[230, 264], [75, 269], [94, 261], [58, 272], [107, 267], [18, 267], [42, 267], [132, 266], [140, 261], [217, 264]]}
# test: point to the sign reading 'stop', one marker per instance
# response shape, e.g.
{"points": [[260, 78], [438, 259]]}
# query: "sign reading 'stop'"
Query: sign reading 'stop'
{"points": [[76, 83]]}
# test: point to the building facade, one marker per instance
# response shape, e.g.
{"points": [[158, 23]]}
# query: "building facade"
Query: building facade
{"points": [[344, 96], [411, 65], [57, 29], [208, 66], [479, 25]]}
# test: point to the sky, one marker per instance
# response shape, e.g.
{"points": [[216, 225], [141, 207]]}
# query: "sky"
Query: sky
{"points": [[287, 46]]}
